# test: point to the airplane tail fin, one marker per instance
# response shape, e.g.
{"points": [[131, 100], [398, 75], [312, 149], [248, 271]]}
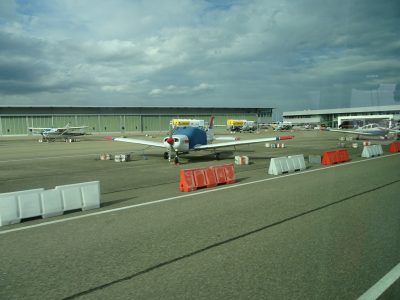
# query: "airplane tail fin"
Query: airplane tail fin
{"points": [[211, 125], [210, 131]]}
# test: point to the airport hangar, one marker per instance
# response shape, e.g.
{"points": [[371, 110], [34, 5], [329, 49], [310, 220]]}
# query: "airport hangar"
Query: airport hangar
{"points": [[15, 120], [334, 117]]}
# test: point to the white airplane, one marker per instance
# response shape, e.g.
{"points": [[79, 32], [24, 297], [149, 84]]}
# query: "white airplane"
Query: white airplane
{"points": [[369, 130], [283, 126], [185, 139], [51, 133]]}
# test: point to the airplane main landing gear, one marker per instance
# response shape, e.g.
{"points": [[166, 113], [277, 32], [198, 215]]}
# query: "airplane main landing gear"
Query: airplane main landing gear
{"points": [[165, 155]]}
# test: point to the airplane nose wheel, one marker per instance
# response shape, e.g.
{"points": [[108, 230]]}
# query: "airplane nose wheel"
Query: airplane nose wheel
{"points": [[165, 155]]}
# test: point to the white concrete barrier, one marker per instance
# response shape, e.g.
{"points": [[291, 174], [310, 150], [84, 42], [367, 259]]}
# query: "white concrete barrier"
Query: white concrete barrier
{"points": [[19, 205], [298, 162], [9, 209], [281, 165], [51, 203], [29, 203], [278, 165], [372, 150], [80, 195], [15, 206]]}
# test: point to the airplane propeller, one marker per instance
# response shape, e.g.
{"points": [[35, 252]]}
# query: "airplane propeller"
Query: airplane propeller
{"points": [[170, 141]]}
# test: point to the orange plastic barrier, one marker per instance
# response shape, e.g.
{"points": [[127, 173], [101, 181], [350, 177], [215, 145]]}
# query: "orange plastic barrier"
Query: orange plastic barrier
{"points": [[343, 155], [187, 183], [334, 157], [394, 147], [193, 179]]}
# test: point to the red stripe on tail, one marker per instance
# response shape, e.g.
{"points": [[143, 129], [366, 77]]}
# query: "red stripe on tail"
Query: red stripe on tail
{"points": [[211, 122], [286, 137]]}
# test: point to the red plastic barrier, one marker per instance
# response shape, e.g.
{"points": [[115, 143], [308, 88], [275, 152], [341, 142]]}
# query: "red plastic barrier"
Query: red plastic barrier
{"points": [[199, 178], [334, 157], [329, 158], [343, 155], [187, 183], [219, 174], [394, 147], [229, 173], [193, 179], [211, 178]]}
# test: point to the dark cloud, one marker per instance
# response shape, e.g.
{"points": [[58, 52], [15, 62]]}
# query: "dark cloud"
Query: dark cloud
{"points": [[298, 54]]}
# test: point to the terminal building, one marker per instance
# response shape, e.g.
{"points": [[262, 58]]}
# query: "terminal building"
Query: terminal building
{"points": [[15, 120], [334, 117]]}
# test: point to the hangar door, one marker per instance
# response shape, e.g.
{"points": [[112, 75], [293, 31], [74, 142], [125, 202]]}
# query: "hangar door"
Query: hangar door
{"points": [[151, 123], [13, 125]]}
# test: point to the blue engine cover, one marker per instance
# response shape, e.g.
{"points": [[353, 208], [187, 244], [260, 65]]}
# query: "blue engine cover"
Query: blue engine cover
{"points": [[196, 135]]}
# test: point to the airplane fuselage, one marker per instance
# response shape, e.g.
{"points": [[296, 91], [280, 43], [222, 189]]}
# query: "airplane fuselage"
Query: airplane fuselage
{"points": [[374, 131], [368, 130], [186, 138]]}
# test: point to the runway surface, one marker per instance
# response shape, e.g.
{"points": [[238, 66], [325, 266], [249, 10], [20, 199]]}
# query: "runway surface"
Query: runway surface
{"points": [[326, 233]]}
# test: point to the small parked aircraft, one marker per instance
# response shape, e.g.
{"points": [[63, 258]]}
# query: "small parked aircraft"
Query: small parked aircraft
{"points": [[52, 133], [184, 139], [369, 130]]}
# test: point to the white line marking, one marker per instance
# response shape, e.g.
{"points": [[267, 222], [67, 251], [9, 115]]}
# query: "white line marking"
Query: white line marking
{"points": [[193, 194], [382, 285], [44, 158]]}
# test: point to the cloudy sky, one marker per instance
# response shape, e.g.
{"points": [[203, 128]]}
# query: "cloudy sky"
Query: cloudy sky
{"points": [[304, 54]]}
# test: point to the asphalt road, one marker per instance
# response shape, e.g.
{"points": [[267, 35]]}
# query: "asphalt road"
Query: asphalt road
{"points": [[326, 233]]}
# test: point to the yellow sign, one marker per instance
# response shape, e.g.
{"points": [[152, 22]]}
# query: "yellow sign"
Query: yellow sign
{"points": [[178, 122], [235, 122]]}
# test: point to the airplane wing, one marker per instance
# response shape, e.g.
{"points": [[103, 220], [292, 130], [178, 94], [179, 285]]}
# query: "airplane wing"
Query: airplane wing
{"points": [[137, 141], [226, 138], [37, 128], [351, 131], [75, 127], [394, 131], [59, 128], [242, 142]]}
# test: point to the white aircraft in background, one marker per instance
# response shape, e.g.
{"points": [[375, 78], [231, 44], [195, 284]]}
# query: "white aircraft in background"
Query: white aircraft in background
{"points": [[184, 139], [283, 126], [52, 133], [369, 130]]}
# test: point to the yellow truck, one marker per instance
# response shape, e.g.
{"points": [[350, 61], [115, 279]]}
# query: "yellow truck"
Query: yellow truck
{"points": [[240, 125], [187, 122]]}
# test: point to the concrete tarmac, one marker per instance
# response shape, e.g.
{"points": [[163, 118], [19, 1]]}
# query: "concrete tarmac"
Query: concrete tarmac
{"points": [[325, 233]]}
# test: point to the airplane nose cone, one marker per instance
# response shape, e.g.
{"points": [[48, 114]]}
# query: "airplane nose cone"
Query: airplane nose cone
{"points": [[170, 140]]}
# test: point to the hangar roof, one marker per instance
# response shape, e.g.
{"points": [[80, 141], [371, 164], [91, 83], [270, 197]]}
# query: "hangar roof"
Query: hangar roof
{"points": [[387, 108], [85, 109]]}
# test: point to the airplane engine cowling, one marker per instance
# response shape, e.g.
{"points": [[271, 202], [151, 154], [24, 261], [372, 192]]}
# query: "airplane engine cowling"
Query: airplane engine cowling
{"points": [[181, 143]]}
